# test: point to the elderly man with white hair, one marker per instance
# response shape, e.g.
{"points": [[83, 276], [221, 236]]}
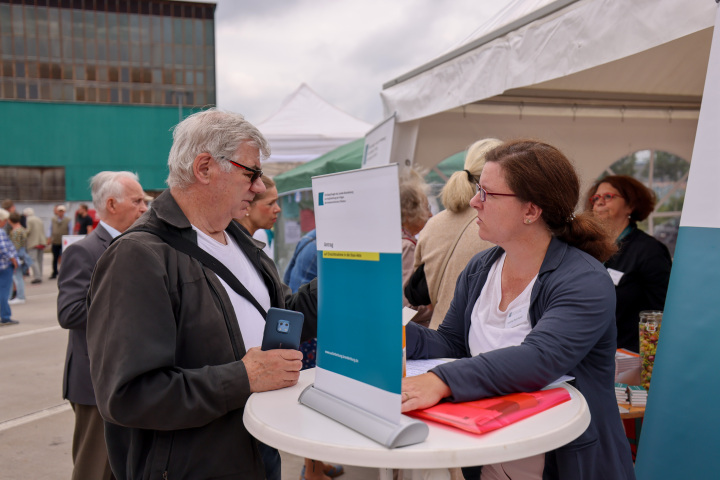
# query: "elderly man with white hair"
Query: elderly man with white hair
{"points": [[119, 200], [174, 347]]}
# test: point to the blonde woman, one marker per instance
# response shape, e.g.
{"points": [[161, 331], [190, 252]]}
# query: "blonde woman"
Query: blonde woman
{"points": [[450, 239]]}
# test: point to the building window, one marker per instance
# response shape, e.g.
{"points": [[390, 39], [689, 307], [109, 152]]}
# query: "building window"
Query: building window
{"points": [[67, 43], [32, 184]]}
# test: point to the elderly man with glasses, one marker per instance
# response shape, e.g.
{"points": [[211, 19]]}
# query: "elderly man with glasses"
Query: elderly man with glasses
{"points": [[173, 338]]}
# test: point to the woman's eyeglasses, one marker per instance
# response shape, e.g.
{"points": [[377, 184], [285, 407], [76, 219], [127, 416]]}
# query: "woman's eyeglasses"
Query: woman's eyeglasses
{"points": [[605, 197], [484, 193], [256, 172]]}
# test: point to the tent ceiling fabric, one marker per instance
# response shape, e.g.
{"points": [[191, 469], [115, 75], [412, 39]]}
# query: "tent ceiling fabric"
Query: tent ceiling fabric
{"points": [[591, 143], [306, 126], [600, 79], [596, 37]]}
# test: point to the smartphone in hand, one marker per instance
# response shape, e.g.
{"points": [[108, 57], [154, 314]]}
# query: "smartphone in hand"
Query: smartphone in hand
{"points": [[282, 329]]}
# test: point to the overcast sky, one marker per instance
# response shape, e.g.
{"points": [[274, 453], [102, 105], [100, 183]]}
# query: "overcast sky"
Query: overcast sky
{"points": [[343, 49]]}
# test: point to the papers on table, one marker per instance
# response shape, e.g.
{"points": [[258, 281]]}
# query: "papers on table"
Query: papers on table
{"points": [[418, 367], [564, 378]]}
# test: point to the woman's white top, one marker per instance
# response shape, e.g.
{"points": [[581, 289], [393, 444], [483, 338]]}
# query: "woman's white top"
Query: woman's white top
{"points": [[490, 327]]}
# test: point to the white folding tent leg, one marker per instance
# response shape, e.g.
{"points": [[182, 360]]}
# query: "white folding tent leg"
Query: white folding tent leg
{"points": [[386, 474]]}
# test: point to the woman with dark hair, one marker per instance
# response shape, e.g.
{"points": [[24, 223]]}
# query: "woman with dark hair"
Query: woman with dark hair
{"points": [[641, 268], [537, 306]]}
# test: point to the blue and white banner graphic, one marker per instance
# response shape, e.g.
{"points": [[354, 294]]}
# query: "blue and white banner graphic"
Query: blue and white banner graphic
{"points": [[359, 356]]}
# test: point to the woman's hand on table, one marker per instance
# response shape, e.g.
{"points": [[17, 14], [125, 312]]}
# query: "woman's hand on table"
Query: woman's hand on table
{"points": [[422, 391]]}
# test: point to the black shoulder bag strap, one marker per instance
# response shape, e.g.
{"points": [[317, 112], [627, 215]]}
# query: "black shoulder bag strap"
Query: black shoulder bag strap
{"points": [[189, 248]]}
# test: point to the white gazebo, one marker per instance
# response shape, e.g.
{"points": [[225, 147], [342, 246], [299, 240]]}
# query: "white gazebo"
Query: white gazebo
{"points": [[306, 126]]}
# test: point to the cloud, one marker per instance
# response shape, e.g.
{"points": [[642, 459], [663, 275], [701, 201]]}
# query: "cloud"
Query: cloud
{"points": [[344, 50]]}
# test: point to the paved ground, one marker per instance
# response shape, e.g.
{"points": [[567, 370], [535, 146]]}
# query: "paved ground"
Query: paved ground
{"points": [[36, 424]]}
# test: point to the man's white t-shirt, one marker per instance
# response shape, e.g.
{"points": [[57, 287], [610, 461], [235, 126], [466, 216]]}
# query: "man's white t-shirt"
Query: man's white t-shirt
{"points": [[490, 327], [252, 324]]}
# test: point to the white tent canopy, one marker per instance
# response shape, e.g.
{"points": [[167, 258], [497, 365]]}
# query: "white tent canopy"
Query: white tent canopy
{"points": [[600, 79], [306, 126]]}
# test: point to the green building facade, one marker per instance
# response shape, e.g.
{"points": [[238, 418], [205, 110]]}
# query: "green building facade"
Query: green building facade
{"points": [[81, 140], [92, 85]]}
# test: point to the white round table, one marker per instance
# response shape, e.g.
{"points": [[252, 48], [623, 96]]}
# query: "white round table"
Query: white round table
{"points": [[277, 419]]}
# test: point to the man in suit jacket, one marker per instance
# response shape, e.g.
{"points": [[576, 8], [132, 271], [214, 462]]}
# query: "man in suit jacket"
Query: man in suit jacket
{"points": [[119, 200]]}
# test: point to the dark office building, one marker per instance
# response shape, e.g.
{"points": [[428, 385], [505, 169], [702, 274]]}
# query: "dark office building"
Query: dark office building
{"points": [[91, 85]]}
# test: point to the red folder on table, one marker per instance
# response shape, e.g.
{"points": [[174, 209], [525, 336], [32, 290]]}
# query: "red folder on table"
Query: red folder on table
{"points": [[481, 416]]}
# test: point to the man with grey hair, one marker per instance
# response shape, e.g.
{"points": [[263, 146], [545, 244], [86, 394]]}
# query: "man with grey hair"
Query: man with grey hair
{"points": [[119, 200], [174, 347]]}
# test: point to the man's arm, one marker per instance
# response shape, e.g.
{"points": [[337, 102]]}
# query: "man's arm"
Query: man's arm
{"points": [[140, 377], [73, 284]]}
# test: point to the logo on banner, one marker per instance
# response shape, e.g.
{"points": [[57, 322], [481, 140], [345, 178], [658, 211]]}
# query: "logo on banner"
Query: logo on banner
{"points": [[321, 200]]}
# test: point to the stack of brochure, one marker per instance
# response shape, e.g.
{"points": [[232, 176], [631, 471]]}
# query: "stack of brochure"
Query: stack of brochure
{"points": [[625, 360], [621, 392], [638, 396]]}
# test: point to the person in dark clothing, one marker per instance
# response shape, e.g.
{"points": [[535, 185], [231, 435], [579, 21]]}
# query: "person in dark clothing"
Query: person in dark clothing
{"points": [[119, 200], [641, 268], [83, 220], [174, 349]]}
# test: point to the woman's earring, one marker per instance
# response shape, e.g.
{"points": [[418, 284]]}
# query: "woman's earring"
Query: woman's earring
{"points": [[528, 221]]}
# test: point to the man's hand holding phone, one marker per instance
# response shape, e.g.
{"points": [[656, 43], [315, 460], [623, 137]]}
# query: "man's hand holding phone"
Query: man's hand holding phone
{"points": [[278, 362], [272, 369]]}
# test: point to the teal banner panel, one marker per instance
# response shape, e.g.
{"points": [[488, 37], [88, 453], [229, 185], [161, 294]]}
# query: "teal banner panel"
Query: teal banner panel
{"points": [[361, 340], [680, 431]]}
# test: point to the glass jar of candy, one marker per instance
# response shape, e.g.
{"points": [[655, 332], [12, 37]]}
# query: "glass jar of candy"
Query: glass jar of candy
{"points": [[650, 321]]}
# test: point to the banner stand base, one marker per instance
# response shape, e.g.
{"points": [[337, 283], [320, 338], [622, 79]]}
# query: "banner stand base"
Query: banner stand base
{"points": [[408, 432]]}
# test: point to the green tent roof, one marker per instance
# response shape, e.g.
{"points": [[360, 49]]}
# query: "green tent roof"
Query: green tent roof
{"points": [[448, 166], [349, 157]]}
